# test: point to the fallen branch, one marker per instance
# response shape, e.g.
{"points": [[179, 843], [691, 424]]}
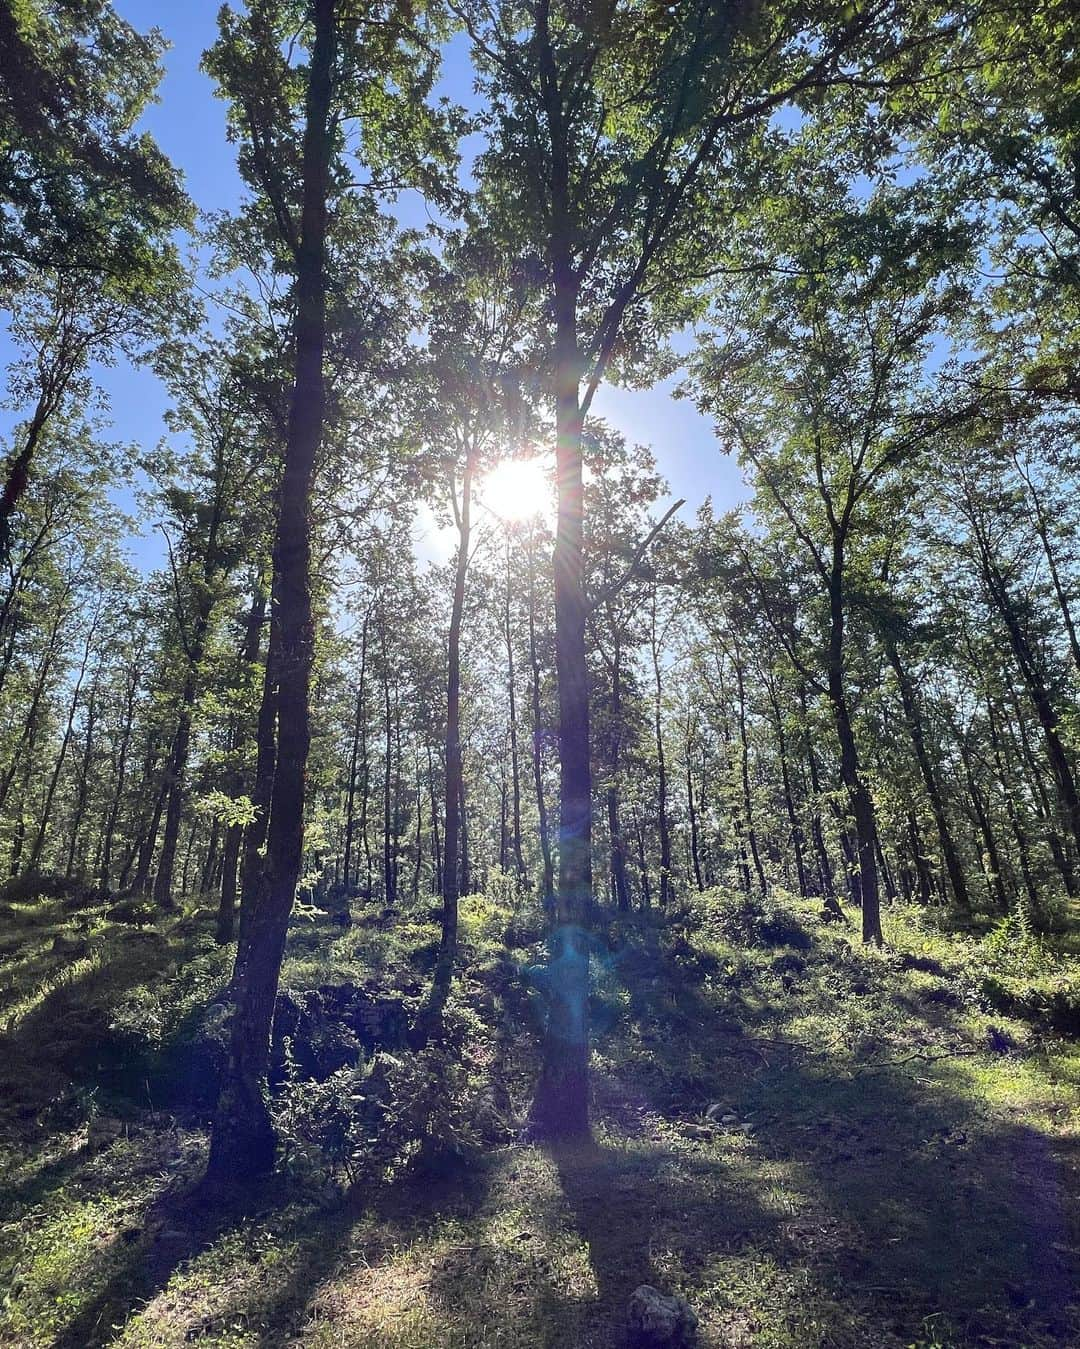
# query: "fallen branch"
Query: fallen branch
{"points": [[883, 1064]]}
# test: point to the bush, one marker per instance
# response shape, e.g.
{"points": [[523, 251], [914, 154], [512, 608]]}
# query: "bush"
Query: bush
{"points": [[750, 920], [388, 1113], [1013, 947]]}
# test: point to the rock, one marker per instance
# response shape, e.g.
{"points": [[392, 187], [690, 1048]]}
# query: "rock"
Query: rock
{"points": [[998, 1041], [658, 1321]]}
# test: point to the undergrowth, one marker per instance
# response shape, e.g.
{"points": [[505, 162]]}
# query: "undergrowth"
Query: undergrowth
{"points": [[814, 1142]]}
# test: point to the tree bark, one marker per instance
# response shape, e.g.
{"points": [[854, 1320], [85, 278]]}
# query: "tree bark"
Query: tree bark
{"points": [[452, 803], [243, 1143], [862, 806], [548, 890], [949, 853], [515, 767], [560, 1107]]}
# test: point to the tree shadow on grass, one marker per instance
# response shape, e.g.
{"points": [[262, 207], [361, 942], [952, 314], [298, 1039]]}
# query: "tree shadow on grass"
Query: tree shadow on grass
{"points": [[400, 1213], [185, 1223], [912, 1199], [604, 1197], [174, 1229]]}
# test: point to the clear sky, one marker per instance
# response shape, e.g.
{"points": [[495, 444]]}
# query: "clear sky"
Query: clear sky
{"points": [[189, 125]]}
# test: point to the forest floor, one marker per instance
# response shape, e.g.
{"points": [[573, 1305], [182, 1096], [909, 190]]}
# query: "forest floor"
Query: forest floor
{"points": [[815, 1144]]}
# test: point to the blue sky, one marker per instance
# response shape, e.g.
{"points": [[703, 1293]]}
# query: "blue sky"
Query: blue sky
{"points": [[189, 125]]}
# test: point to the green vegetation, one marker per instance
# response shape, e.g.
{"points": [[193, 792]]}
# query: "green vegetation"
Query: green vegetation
{"points": [[452, 893], [815, 1142]]}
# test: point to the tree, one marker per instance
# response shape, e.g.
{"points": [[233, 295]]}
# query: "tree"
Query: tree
{"points": [[597, 192], [831, 413], [84, 193], [301, 202]]}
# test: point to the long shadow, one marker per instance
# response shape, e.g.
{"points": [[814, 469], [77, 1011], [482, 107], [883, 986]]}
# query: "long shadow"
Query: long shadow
{"points": [[185, 1222], [610, 1219], [175, 1228], [916, 1193], [36, 1187], [403, 1212]]}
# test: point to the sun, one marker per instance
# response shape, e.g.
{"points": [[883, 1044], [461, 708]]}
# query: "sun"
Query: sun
{"points": [[516, 489]]}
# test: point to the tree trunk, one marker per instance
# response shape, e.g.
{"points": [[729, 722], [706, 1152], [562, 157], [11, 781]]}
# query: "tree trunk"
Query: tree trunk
{"points": [[265, 760], [992, 870], [243, 1144], [620, 884], [862, 806], [950, 856], [795, 829], [515, 767], [663, 820], [359, 733], [832, 904], [695, 840], [113, 815], [560, 1108], [58, 767], [548, 891], [82, 791], [452, 803], [1015, 823], [1042, 526], [1032, 673], [1043, 809], [744, 776]]}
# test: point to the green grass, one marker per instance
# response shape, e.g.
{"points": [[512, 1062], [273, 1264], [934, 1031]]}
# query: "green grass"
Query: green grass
{"points": [[817, 1145]]}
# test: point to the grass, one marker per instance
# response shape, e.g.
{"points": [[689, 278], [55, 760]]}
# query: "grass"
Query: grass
{"points": [[817, 1145]]}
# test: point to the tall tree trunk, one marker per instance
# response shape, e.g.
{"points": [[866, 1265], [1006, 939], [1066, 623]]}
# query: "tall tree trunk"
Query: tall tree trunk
{"points": [[265, 760], [560, 1108], [174, 789], [120, 774], [515, 766], [744, 776], [389, 887], [862, 806], [436, 842], [795, 829], [832, 904], [359, 734], [662, 817], [61, 757], [1035, 682], [1043, 808], [548, 882], [1042, 527], [30, 720], [992, 870], [418, 860], [1016, 825], [620, 884], [237, 780], [454, 785], [243, 1143], [82, 790], [194, 650], [148, 834], [695, 833], [949, 853]]}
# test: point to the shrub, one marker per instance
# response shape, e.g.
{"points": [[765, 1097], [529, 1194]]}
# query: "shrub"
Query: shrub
{"points": [[751, 920], [394, 1111]]}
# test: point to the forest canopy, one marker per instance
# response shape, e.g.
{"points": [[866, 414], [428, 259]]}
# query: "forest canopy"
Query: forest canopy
{"points": [[399, 778]]}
